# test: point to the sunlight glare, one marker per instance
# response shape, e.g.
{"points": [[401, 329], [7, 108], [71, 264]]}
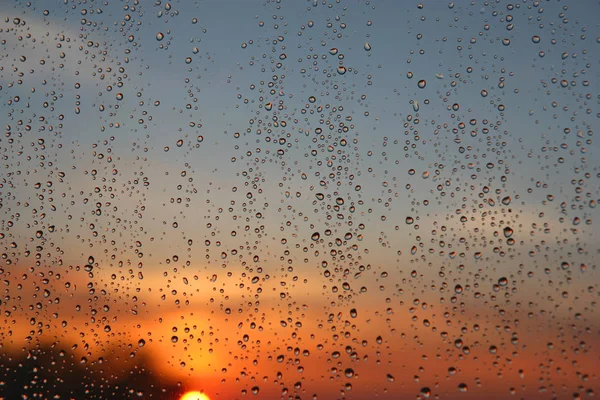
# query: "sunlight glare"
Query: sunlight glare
{"points": [[194, 396]]}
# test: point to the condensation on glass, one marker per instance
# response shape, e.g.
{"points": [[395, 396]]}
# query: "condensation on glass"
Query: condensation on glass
{"points": [[299, 199]]}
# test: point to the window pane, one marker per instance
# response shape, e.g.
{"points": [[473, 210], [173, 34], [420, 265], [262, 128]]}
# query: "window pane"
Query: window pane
{"points": [[299, 199]]}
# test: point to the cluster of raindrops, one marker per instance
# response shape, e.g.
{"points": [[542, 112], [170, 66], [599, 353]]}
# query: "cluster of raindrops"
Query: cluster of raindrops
{"points": [[323, 199]]}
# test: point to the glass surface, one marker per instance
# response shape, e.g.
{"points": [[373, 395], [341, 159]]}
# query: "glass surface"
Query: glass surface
{"points": [[296, 199]]}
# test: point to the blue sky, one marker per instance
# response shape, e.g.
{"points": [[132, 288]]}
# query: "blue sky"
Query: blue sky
{"points": [[254, 125]]}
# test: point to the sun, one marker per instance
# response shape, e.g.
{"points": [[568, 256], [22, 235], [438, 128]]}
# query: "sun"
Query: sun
{"points": [[194, 396]]}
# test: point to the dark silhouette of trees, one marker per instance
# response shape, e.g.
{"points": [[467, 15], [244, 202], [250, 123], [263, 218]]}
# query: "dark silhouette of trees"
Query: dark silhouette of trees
{"points": [[52, 373]]}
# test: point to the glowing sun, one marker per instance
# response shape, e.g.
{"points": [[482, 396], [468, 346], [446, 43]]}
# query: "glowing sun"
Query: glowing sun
{"points": [[194, 396]]}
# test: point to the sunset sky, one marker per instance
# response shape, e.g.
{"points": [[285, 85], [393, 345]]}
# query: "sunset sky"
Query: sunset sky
{"points": [[332, 199]]}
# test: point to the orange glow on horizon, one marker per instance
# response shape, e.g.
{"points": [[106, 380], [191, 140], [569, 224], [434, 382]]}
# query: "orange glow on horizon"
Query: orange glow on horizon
{"points": [[194, 396]]}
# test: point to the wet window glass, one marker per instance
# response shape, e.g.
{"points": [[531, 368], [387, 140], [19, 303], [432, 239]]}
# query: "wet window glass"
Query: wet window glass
{"points": [[322, 199]]}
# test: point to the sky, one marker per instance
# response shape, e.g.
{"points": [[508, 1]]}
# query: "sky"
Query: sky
{"points": [[332, 199]]}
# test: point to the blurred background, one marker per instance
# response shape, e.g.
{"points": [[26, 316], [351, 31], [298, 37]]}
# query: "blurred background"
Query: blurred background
{"points": [[299, 199]]}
